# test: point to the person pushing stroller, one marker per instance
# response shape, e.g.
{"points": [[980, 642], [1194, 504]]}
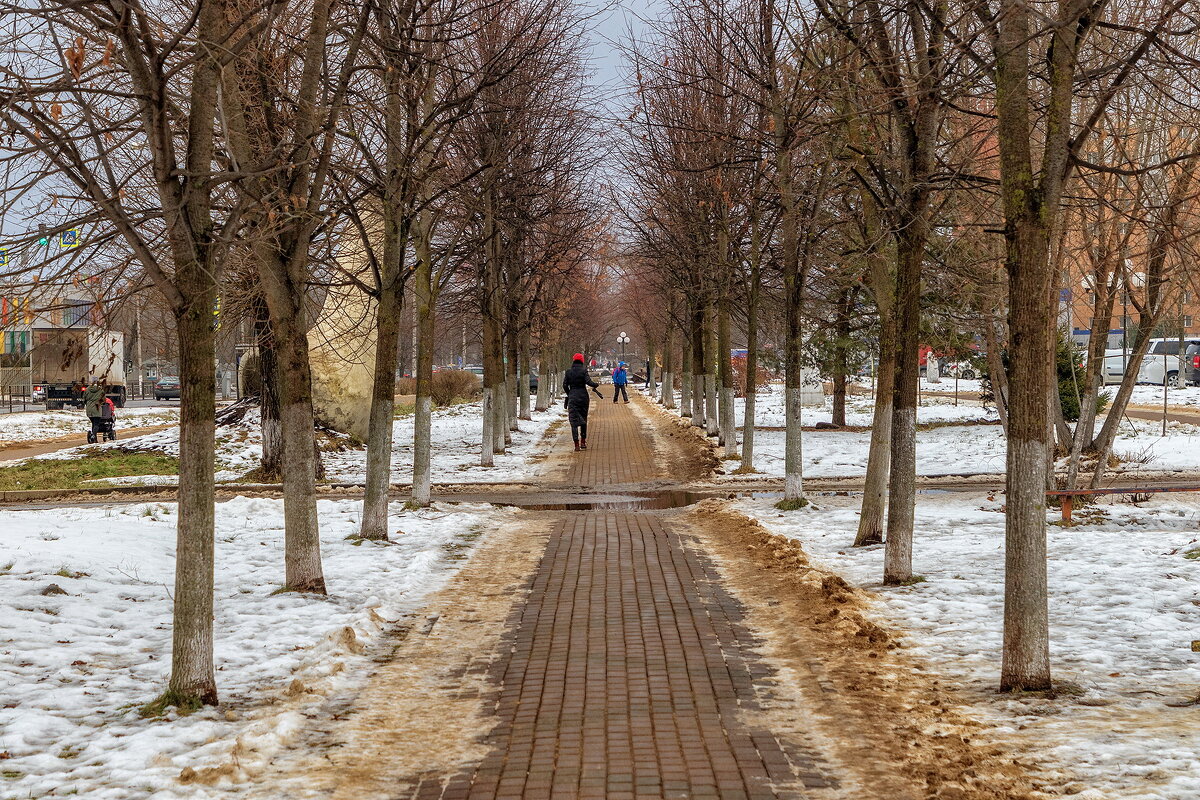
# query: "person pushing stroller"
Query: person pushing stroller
{"points": [[101, 412], [575, 386]]}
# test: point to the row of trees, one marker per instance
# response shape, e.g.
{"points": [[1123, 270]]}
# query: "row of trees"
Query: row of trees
{"points": [[269, 153], [898, 166]]}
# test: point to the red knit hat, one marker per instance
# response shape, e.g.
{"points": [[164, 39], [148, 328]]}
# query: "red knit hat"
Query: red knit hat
{"points": [[577, 357]]}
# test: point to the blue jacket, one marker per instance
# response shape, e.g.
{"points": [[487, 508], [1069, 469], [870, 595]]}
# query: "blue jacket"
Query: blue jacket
{"points": [[620, 376]]}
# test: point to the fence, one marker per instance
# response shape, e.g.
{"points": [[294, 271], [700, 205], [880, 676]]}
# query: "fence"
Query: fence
{"points": [[16, 399]]}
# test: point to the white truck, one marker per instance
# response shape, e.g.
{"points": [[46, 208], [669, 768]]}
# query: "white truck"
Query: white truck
{"points": [[66, 360]]}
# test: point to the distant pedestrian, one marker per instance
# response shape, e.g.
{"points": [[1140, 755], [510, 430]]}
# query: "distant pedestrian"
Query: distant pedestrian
{"points": [[620, 377], [576, 382], [93, 401]]}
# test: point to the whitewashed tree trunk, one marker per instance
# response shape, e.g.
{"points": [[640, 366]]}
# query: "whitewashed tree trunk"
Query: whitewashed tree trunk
{"points": [[425, 301], [729, 423], [422, 481], [699, 398], [712, 421], [489, 422], [793, 453]]}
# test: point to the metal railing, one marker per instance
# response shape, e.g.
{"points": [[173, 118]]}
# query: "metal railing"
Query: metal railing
{"points": [[16, 398]]}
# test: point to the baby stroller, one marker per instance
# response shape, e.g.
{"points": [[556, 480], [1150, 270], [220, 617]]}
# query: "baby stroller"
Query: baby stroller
{"points": [[105, 425]]}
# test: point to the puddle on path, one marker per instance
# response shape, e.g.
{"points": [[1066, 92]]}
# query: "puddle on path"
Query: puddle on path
{"points": [[646, 501]]}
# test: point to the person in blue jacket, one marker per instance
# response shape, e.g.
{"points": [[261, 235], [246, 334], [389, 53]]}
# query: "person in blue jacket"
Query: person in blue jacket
{"points": [[620, 378]]}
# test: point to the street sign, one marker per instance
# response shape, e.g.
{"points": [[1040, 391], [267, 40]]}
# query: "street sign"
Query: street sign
{"points": [[68, 238], [3, 257]]}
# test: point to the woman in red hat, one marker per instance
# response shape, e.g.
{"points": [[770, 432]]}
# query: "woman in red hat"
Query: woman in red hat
{"points": [[575, 386]]}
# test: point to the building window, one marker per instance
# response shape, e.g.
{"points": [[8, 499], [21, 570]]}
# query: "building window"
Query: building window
{"points": [[1187, 321], [1187, 297]]}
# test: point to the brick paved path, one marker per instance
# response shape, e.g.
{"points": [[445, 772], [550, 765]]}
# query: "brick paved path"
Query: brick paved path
{"points": [[619, 450], [628, 665]]}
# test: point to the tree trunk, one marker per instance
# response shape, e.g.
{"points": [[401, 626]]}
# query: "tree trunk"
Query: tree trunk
{"points": [[897, 558], [728, 421], [381, 420], [546, 377], [302, 542], [687, 384], [841, 359], [523, 377], [424, 301], [793, 458], [271, 465], [751, 390], [879, 458], [997, 375], [699, 368], [193, 677], [711, 411], [668, 374]]}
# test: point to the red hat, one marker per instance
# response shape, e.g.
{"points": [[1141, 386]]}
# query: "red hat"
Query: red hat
{"points": [[578, 357]]}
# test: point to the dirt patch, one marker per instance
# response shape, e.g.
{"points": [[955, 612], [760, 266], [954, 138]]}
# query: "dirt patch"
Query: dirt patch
{"points": [[17, 451], [683, 451], [894, 728], [424, 711]]}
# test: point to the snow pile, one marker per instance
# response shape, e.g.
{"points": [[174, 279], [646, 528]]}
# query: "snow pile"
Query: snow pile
{"points": [[32, 426], [76, 661], [1124, 606]]}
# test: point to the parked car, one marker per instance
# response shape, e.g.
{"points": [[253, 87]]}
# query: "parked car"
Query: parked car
{"points": [[1161, 364], [958, 369], [38, 393], [1192, 364], [1114, 366], [166, 388]]}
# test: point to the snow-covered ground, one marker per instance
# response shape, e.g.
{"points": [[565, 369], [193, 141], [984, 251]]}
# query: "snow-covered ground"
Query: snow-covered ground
{"points": [[29, 426], [1124, 609], [965, 439], [457, 437], [1186, 396], [457, 433], [76, 665]]}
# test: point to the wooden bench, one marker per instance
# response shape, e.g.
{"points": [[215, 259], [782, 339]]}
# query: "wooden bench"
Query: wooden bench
{"points": [[1068, 495]]}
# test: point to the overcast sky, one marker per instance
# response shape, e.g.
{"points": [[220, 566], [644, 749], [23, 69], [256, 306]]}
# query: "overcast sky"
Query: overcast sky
{"points": [[611, 26]]}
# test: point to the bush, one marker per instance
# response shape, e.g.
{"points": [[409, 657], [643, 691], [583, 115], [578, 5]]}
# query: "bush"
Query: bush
{"points": [[449, 387], [739, 376]]}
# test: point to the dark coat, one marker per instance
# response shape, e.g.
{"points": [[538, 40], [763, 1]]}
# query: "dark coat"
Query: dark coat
{"points": [[576, 382], [93, 396]]}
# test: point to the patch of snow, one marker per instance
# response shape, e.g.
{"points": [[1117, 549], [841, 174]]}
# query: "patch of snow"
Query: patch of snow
{"points": [[76, 666], [32, 426], [1124, 608], [456, 447]]}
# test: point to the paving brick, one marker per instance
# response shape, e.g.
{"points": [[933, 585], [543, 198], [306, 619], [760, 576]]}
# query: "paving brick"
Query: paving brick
{"points": [[627, 665]]}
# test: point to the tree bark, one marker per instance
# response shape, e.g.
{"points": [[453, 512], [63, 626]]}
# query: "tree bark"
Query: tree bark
{"points": [[424, 297], [751, 390], [712, 421], [380, 423], [841, 356], [897, 558], [193, 677], [302, 542], [271, 464], [728, 421], [879, 458]]}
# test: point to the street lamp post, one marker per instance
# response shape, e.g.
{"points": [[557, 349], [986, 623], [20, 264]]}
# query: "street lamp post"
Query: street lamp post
{"points": [[622, 340]]}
